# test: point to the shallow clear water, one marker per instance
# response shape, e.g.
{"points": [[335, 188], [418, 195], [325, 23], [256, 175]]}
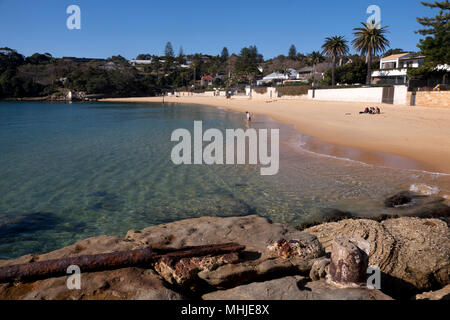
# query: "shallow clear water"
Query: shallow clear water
{"points": [[70, 171]]}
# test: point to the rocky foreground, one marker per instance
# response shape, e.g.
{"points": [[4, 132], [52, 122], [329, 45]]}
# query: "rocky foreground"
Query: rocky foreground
{"points": [[325, 262]]}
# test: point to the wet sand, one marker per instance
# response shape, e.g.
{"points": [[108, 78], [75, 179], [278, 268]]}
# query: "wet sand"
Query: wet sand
{"points": [[401, 137]]}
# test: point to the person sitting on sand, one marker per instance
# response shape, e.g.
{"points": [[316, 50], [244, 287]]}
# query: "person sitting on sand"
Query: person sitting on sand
{"points": [[366, 110], [378, 110]]}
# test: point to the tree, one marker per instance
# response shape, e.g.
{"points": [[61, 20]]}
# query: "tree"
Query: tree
{"points": [[169, 50], [181, 53], [248, 61], [10, 58], [144, 56], [38, 58], [350, 73], [292, 52], [370, 40], [196, 63], [224, 55], [315, 58], [118, 59], [335, 47], [436, 45]]}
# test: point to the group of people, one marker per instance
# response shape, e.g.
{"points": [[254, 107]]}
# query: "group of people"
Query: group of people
{"points": [[371, 110]]}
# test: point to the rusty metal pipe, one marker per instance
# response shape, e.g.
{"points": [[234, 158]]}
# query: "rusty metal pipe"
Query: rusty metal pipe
{"points": [[107, 261]]}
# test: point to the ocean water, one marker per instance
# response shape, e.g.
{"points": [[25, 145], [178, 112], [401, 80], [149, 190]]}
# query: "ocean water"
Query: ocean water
{"points": [[71, 171]]}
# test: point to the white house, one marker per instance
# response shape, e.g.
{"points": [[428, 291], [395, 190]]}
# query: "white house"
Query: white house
{"points": [[278, 76], [394, 68], [139, 62]]}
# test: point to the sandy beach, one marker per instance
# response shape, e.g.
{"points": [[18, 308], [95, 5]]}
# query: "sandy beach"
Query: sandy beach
{"points": [[418, 133]]}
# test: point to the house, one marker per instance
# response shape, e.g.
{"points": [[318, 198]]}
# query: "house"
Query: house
{"points": [[394, 68], [307, 73], [206, 81], [279, 77], [139, 62], [304, 74], [275, 76], [108, 66]]}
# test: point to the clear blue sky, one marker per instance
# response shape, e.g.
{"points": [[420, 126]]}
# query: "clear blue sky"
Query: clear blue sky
{"points": [[132, 27]]}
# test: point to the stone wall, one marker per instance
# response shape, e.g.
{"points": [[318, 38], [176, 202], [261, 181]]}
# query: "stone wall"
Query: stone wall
{"points": [[437, 99]]}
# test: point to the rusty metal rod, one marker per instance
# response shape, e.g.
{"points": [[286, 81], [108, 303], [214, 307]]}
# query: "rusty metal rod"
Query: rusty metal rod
{"points": [[107, 261]]}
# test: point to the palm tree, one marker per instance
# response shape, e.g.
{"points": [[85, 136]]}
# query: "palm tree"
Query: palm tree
{"points": [[370, 40], [315, 58], [334, 47], [194, 66]]}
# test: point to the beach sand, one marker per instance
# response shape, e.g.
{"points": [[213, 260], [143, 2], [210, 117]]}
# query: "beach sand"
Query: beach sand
{"points": [[417, 133]]}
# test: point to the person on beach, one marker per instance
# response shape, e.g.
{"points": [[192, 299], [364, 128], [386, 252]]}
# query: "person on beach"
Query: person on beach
{"points": [[371, 110], [249, 116], [366, 110]]}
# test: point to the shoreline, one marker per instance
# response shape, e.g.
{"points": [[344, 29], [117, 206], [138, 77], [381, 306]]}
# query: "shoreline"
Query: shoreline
{"points": [[399, 134]]}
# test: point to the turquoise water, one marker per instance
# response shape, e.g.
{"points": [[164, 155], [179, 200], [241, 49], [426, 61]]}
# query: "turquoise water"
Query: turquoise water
{"points": [[70, 171]]}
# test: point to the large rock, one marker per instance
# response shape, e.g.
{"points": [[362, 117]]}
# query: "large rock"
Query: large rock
{"points": [[305, 247], [294, 288], [262, 257], [121, 284], [232, 275], [422, 251], [319, 269], [183, 272], [443, 294], [95, 245], [254, 232], [399, 199], [349, 262], [413, 254]]}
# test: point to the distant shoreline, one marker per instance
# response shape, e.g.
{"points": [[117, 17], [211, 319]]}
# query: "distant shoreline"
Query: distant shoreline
{"points": [[420, 134]]}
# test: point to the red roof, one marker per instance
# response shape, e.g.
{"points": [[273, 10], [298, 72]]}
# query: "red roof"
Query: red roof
{"points": [[207, 78]]}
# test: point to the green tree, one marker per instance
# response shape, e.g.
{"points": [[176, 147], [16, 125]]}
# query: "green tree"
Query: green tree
{"points": [[335, 47], [248, 61], [315, 58], [156, 66], [436, 45], [350, 73], [169, 50], [292, 52], [196, 63], [181, 53], [144, 56], [370, 40], [224, 55], [118, 60], [38, 58]]}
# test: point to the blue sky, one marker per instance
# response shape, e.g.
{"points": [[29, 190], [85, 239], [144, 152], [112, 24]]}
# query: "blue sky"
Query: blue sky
{"points": [[132, 27]]}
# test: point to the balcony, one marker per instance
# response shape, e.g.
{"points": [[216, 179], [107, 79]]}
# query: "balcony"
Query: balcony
{"points": [[401, 72]]}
